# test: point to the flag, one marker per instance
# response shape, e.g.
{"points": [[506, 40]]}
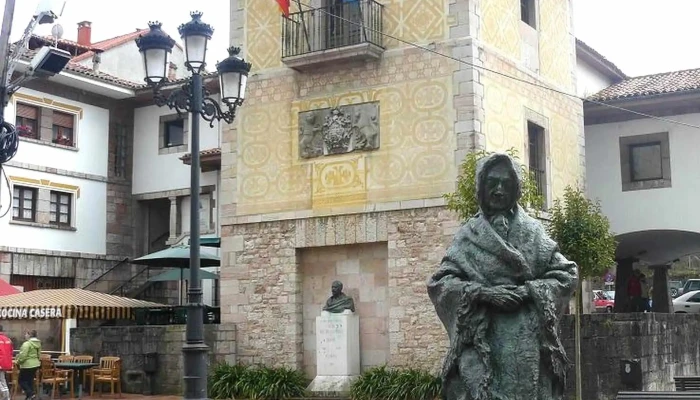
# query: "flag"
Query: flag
{"points": [[284, 7]]}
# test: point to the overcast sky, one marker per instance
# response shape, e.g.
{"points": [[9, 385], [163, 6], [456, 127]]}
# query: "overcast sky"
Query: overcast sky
{"points": [[639, 36], [117, 17]]}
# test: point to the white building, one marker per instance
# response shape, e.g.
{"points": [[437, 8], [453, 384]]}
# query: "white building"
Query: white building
{"points": [[643, 169], [95, 173]]}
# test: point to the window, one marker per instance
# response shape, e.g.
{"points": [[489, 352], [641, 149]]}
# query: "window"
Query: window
{"points": [[537, 157], [61, 208], [120, 150], [174, 133], [24, 203], [27, 121], [528, 12], [63, 128], [695, 298], [645, 161]]}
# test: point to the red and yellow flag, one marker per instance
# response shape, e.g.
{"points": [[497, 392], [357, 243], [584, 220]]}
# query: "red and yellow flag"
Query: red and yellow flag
{"points": [[284, 7]]}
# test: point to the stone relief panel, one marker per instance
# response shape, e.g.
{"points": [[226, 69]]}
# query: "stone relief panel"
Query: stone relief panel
{"points": [[339, 130], [415, 159]]}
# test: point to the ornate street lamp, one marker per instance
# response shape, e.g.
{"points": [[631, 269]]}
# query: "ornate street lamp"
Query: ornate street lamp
{"points": [[193, 98]]}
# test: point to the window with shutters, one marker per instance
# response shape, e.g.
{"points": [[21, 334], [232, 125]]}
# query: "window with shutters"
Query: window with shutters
{"points": [[61, 208], [27, 121], [24, 203], [63, 128]]}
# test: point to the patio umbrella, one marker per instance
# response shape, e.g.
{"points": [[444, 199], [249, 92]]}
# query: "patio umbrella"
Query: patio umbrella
{"points": [[182, 274], [6, 289], [178, 257], [209, 241]]}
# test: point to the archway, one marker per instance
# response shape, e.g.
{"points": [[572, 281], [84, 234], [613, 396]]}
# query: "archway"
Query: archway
{"points": [[656, 249]]}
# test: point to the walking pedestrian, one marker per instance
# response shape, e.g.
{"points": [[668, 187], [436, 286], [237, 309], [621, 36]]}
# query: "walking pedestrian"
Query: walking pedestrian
{"points": [[29, 360]]}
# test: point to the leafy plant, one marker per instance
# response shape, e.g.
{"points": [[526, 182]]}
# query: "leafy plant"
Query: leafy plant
{"points": [[583, 233], [256, 383], [223, 380], [464, 201], [382, 383]]}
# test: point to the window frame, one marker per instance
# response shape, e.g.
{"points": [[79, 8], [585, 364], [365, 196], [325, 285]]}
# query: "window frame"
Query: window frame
{"points": [[661, 164], [58, 212], [20, 205], [627, 143], [166, 132], [529, 7], [541, 173], [22, 120]]}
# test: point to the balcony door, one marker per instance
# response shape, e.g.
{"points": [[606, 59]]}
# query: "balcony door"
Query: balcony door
{"points": [[344, 23]]}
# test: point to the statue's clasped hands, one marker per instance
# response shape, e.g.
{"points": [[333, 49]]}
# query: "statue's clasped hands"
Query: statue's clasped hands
{"points": [[505, 297]]}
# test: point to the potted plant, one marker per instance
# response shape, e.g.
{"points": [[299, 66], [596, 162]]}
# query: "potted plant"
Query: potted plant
{"points": [[25, 131], [63, 140]]}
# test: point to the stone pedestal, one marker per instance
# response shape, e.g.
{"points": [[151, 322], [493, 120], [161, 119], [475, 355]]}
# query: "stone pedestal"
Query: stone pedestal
{"points": [[337, 352]]}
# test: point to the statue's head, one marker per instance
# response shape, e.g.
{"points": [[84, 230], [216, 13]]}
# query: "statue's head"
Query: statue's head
{"points": [[337, 288], [498, 183]]}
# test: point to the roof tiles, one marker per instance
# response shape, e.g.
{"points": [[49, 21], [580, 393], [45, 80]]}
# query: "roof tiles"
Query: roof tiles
{"points": [[649, 85]]}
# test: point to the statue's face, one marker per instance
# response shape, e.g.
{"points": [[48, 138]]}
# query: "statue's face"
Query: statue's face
{"points": [[336, 288], [500, 187]]}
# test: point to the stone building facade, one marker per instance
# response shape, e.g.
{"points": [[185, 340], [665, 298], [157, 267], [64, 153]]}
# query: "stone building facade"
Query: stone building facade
{"points": [[375, 217]]}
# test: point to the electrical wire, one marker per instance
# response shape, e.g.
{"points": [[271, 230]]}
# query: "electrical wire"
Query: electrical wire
{"points": [[515, 78], [9, 142]]}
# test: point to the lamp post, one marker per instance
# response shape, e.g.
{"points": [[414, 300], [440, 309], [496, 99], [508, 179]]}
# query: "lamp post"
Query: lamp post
{"points": [[192, 97]]}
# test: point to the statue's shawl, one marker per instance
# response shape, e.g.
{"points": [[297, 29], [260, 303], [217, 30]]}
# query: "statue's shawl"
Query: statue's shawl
{"points": [[532, 259]]}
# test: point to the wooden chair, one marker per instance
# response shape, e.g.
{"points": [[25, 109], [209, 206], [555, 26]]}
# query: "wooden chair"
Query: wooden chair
{"points": [[66, 358], [86, 373], [14, 380], [49, 375], [109, 371]]}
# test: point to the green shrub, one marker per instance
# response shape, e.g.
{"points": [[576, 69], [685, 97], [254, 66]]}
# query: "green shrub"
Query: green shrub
{"points": [[256, 383], [223, 380], [382, 383]]}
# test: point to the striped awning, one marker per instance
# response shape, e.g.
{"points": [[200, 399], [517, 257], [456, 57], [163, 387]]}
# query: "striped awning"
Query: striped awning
{"points": [[69, 303]]}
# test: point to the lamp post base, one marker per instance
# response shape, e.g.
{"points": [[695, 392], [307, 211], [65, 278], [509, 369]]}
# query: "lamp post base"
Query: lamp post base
{"points": [[196, 360]]}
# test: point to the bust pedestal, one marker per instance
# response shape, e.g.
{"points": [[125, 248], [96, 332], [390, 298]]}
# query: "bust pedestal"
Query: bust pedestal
{"points": [[337, 352]]}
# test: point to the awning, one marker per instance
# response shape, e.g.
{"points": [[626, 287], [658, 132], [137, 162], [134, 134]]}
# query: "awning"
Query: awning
{"points": [[69, 303], [7, 289]]}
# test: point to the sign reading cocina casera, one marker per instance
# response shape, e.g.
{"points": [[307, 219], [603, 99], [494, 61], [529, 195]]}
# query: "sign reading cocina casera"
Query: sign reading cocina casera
{"points": [[30, 312]]}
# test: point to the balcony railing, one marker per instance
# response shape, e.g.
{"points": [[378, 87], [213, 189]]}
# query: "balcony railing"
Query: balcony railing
{"points": [[341, 25]]}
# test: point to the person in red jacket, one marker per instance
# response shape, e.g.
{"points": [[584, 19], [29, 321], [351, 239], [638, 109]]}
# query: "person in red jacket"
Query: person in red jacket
{"points": [[5, 363], [634, 291]]}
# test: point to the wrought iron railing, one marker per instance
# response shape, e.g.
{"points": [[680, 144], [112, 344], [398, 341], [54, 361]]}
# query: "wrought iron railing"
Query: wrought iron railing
{"points": [[540, 177], [344, 24]]}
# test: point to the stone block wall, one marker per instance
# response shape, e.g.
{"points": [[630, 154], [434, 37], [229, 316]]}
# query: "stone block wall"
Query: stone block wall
{"points": [[363, 271], [666, 345], [132, 342], [263, 271]]}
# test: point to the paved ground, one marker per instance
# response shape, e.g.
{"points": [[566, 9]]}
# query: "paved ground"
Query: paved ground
{"points": [[107, 396]]}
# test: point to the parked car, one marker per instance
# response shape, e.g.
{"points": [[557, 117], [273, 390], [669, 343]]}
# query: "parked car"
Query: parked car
{"points": [[687, 303], [675, 288], [690, 285], [603, 302]]}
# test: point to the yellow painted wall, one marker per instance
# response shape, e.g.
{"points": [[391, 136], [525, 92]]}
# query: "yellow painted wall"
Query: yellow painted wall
{"points": [[416, 155], [420, 21], [500, 29], [505, 103]]}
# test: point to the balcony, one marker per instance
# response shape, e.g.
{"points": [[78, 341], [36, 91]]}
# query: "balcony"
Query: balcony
{"points": [[342, 32]]}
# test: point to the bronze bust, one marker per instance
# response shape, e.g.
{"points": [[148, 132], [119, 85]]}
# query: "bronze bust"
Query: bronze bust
{"points": [[339, 301]]}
